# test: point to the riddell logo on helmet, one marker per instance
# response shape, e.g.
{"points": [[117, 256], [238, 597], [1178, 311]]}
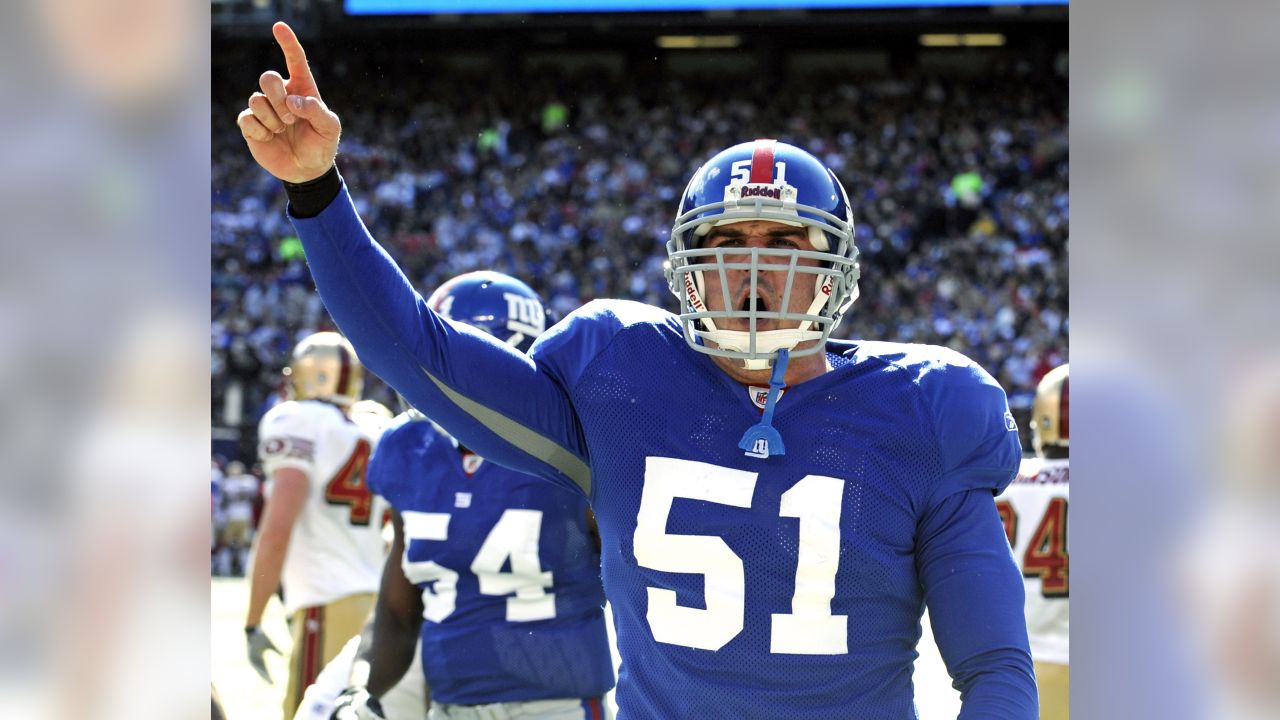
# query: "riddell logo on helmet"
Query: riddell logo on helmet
{"points": [[757, 190], [692, 293]]}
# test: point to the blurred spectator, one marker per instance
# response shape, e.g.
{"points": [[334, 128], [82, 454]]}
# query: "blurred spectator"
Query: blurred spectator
{"points": [[217, 518], [240, 491]]}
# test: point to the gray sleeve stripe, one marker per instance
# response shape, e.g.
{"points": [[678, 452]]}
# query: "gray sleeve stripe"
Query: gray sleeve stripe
{"points": [[527, 441]]}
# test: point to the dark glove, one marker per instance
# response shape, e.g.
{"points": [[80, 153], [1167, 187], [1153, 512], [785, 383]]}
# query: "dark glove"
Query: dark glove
{"points": [[258, 644], [355, 703]]}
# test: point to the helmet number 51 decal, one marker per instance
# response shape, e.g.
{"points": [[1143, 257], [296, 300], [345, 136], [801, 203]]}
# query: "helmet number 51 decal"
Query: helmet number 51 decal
{"points": [[741, 171]]}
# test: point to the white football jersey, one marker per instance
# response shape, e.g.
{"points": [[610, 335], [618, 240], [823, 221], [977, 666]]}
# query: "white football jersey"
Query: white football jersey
{"points": [[336, 548], [1034, 512]]}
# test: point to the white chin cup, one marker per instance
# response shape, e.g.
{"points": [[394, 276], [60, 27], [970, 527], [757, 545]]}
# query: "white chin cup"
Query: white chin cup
{"points": [[767, 343]]}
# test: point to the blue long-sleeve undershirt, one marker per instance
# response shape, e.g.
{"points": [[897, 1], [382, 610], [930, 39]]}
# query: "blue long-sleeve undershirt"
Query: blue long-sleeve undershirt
{"points": [[975, 597]]}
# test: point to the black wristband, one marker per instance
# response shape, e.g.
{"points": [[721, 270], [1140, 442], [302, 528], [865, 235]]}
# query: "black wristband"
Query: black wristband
{"points": [[309, 199], [250, 629]]}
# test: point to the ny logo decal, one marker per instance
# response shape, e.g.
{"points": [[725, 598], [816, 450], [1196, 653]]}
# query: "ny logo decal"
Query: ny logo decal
{"points": [[759, 450]]}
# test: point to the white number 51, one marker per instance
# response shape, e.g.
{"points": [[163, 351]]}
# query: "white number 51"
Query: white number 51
{"points": [[809, 629], [741, 171]]}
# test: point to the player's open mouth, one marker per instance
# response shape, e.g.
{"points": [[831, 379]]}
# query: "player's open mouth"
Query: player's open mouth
{"points": [[749, 303]]}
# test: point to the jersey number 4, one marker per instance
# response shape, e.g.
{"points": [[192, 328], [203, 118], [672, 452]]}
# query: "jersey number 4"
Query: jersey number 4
{"points": [[809, 629], [1046, 556], [515, 537], [348, 485]]}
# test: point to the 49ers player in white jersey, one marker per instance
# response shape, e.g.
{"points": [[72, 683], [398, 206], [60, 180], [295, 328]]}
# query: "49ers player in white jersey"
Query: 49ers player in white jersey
{"points": [[321, 527], [1034, 511]]}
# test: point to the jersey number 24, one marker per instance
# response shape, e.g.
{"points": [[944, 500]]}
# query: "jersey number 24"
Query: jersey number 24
{"points": [[1045, 556], [348, 487]]}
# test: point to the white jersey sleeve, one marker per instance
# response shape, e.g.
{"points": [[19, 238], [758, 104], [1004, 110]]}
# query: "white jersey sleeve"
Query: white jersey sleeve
{"points": [[1034, 511], [287, 437]]}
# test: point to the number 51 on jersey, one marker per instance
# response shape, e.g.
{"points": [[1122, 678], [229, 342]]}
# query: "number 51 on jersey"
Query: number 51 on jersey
{"points": [[809, 629]]}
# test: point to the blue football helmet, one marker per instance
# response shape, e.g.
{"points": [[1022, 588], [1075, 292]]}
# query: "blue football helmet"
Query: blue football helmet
{"points": [[496, 303], [763, 180]]}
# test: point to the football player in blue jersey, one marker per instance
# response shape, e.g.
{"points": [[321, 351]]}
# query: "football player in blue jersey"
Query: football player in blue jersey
{"points": [[761, 562], [497, 571]]}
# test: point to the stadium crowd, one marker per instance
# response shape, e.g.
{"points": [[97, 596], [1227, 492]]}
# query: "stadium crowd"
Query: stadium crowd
{"points": [[570, 181]]}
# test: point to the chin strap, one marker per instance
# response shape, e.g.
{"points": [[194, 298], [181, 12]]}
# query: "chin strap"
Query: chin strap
{"points": [[762, 440]]}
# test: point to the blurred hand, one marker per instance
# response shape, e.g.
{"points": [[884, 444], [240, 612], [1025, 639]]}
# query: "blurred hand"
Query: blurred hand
{"points": [[258, 645], [355, 703], [290, 131]]}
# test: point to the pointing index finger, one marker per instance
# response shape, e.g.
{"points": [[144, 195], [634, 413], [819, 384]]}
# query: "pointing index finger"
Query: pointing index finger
{"points": [[300, 80]]}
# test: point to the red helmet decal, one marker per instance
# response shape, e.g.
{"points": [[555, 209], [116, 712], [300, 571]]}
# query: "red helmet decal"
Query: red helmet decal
{"points": [[1064, 411], [762, 161], [344, 374]]}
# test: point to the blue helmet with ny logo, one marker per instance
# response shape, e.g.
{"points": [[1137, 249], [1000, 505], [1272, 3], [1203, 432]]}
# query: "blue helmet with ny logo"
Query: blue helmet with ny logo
{"points": [[774, 181], [494, 302]]}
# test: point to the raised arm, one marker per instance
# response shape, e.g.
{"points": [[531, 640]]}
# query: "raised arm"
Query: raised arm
{"points": [[289, 130], [493, 399]]}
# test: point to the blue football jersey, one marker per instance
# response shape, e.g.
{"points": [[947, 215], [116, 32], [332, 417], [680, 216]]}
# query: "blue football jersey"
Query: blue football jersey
{"points": [[510, 574], [781, 586], [794, 581]]}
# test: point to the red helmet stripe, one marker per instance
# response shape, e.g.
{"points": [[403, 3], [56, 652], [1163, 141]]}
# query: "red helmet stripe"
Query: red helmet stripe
{"points": [[762, 161], [344, 373], [1064, 412]]}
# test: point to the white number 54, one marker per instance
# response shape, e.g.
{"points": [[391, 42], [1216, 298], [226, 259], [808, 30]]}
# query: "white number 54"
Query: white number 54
{"points": [[809, 629], [512, 541]]}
